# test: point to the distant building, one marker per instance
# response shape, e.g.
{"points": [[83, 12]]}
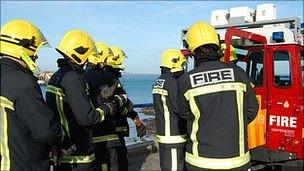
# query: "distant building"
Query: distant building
{"points": [[44, 77]]}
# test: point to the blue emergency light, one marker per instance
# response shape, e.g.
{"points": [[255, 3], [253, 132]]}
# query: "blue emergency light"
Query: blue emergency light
{"points": [[278, 36]]}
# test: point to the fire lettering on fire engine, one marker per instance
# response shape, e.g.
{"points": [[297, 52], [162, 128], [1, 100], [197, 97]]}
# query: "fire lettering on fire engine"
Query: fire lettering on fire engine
{"points": [[283, 121]]}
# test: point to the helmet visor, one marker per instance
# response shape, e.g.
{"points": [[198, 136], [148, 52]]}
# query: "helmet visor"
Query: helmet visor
{"points": [[44, 43]]}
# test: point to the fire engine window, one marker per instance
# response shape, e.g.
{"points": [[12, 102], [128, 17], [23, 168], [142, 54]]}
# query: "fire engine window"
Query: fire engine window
{"points": [[281, 69], [255, 70], [242, 64]]}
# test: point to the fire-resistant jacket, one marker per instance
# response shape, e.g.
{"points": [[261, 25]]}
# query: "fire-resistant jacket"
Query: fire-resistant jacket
{"points": [[218, 102], [121, 125], [27, 125], [67, 96], [101, 88], [171, 129]]}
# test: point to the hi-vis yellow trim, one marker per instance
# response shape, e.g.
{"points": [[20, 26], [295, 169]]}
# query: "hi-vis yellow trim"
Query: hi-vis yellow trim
{"points": [[58, 92], [104, 167], [171, 139], [166, 116], [211, 163], [105, 138], [101, 112], [78, 159], [239, 98], [4, 149], [174, 159], [239, 88], [55, 90], [194, 130], [215, 88], [160, 91], [121, 129]]}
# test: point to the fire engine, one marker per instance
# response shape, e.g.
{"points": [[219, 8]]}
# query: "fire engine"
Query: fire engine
{"points": [[270, 51]]}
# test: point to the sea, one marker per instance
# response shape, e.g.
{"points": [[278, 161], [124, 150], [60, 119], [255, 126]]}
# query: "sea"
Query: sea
{"points": [[139, 90]]}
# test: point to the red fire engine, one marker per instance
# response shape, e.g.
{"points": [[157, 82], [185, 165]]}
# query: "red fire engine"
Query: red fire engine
{"points": [[271, 53]]}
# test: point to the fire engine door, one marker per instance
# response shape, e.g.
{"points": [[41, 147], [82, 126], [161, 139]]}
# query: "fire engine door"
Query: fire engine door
{"points": [[256, 70], [285, 121]]}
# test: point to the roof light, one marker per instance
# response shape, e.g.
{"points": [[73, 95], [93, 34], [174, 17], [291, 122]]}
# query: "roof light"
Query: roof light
{"points": [[278, 36]]}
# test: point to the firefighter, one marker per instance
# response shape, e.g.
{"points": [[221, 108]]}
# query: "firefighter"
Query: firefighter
{"points": [[233, 57], [112, 68], [67, 96], [27, 126], [102, 87], [171, 129], [218, 102]]}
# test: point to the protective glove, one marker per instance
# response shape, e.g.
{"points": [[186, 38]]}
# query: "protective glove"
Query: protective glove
{"points": [[120, 100], [57, 153], [140, 127], [115, 105]]}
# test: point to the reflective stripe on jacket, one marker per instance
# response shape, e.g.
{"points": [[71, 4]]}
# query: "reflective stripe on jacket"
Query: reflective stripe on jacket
{"points": [[27, 125], [171, 129], [67, 96], [218, 102]]}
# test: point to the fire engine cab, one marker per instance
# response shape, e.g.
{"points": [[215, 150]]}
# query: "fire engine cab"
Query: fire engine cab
{"points": [[271, 52]]}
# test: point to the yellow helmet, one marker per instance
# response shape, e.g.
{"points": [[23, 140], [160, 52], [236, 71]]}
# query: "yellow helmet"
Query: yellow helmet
{"points": [[116, 59], [103, 51], [232, 53], [174, 60], [21, 39], [199, 34], [76, 45]]}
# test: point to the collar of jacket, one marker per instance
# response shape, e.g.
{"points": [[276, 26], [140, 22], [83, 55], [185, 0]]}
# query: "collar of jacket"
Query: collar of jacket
{"points": [[63, 62], [167, 71], [206, 58], [114, 71], [16, 65]]}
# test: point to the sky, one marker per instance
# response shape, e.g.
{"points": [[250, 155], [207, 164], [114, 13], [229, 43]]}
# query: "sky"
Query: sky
{"points": [[143, 29]]}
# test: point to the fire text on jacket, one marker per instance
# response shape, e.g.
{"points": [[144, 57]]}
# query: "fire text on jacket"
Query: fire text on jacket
{"points": [[211, 77], [159, 83]]}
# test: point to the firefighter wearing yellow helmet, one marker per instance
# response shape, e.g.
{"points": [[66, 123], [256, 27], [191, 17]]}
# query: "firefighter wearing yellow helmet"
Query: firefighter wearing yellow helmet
{"points": [[67, 95], [218, 103], [232, 57], [112, 70], [26, 122], [115, 61], [101, 87], [170, 128], [98, 58]]}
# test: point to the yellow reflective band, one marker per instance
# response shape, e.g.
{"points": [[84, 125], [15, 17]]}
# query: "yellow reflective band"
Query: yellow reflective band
{"points": [[121, 129], [166, 116], [174, 159], [105, 138], [190, 94], [78, 159], [4, 149], [102, 115], [63, 120], [119, 85], [104, 167], [160, 91], [239, 98], [215, 163], [58, 92], [215, 88], [55, 90], [171, 139], [5, 103], [197, 114]]}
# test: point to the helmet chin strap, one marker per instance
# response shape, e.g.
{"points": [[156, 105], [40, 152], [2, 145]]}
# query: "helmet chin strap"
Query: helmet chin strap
{"points": [[30, 63]]}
